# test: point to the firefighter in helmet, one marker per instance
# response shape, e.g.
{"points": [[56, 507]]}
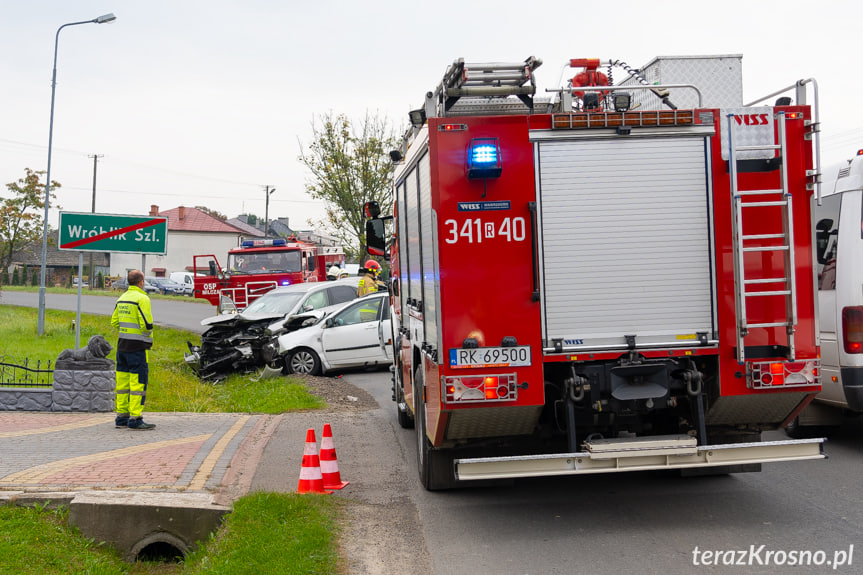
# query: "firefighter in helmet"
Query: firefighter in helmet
{"points": [[369, 282], [333, 273]]}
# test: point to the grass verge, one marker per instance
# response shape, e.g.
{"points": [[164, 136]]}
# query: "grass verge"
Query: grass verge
{"points": [[173, 386], [99, 291], [266, 533]]}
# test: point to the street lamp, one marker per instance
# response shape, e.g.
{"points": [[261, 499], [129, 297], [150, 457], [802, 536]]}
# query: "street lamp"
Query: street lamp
{"points": [[40, 328], [267, 211]]}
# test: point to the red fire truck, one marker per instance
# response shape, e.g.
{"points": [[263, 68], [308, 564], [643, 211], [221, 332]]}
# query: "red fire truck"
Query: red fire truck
{"points": [[258, 266], [619, 277]]}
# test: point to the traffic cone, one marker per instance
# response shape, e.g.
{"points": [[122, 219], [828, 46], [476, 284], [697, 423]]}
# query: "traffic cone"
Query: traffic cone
{"points": [[311, 480], [329, 464]]}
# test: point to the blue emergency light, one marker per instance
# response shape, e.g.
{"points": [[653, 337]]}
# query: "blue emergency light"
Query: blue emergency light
{"points": [[483, 158], [278, 242]]}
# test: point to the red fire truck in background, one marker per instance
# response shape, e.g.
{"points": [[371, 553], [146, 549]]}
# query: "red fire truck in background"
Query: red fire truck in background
{"points": [[616, 278], [258, 266]]}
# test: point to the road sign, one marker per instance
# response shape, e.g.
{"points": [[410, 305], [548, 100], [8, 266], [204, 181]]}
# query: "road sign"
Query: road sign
{"points": [[88, 232]]}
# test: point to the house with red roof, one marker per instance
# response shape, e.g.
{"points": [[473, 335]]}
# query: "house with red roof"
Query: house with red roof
{"points": [[191, 232]]}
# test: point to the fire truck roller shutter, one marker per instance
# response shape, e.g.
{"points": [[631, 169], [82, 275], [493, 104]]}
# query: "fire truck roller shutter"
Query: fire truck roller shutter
{"points": [[429, 260], [626, 224]]}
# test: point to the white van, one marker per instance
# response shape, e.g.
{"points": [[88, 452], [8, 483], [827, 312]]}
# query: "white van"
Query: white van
{"points": [[838, 229], [185, 279]]}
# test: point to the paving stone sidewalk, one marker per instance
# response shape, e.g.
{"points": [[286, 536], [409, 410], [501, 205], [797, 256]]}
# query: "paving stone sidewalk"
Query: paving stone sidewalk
{"points": [[186, 452]]}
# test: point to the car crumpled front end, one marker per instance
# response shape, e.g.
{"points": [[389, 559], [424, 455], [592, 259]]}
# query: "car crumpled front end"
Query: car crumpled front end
{"points": [[239, 345]]}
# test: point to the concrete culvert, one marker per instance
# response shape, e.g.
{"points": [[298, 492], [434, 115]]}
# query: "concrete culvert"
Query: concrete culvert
{"points": [[159, 547]]}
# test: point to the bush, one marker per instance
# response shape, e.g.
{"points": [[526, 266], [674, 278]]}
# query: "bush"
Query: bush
{"points": [[16, 281]]}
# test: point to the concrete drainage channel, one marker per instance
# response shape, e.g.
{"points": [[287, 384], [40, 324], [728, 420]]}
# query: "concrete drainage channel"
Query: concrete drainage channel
{"points": [[146, 526]]}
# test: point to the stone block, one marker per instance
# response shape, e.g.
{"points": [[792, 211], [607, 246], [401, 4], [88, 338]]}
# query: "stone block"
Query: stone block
{"points": [[131, 521]]}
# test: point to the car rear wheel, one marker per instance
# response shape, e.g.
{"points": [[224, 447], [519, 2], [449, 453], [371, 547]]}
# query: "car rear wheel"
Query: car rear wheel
{"points": [[304, 362]]}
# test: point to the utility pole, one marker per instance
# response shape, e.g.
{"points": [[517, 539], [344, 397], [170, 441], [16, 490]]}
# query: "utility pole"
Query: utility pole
{"points": [[269, 190], [93, 210]]}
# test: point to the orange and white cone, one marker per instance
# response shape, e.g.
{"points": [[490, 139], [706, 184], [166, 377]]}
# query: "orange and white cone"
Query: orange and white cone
{"points": [[311, 480], [329, 464]]}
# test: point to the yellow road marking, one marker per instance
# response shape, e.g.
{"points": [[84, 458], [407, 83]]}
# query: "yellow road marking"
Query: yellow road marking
{"points": [[209, 463], [40, 472], [88, 422]]}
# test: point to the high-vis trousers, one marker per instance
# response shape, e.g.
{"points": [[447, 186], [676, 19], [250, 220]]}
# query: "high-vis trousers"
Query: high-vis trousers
{"points": [[132, 375]]}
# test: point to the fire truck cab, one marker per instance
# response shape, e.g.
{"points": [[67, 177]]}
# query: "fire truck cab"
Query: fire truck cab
{"points": [[617, 278], [258, 266]]}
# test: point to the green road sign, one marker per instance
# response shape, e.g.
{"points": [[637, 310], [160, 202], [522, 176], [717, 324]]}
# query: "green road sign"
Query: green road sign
{"points": [[87, 232]]}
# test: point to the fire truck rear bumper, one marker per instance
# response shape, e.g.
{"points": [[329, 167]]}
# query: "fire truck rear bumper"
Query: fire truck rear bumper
{"points": [[640, 454]]}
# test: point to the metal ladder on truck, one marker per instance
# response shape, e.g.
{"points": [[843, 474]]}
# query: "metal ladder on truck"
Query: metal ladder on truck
{"points": [[763, 286], [480, 84]]}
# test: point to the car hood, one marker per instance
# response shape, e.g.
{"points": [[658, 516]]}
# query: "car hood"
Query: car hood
{"points": [[240, 318]]}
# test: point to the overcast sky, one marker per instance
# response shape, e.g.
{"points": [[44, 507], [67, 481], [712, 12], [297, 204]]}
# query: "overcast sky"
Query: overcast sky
{"points": [[206, 102]]}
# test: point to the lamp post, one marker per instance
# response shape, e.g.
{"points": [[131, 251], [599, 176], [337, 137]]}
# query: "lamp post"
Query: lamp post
{"points": [[267, 211], [40, 327]]}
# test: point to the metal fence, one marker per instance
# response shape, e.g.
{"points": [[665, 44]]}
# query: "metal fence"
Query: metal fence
{"points": [[28, 374]]}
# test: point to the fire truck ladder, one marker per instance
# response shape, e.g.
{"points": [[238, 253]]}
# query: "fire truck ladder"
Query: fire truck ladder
{"points": [[769, 286], [493, 79]]}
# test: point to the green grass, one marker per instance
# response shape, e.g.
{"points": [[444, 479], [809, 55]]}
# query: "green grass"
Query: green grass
{"points": [[103, 292], [172, 386], [273, 533], [38, 541], [265, 533]]}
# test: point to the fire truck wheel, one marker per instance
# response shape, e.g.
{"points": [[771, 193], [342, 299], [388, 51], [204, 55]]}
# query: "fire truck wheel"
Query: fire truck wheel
{"points": [[435, 467], [304, 361]]}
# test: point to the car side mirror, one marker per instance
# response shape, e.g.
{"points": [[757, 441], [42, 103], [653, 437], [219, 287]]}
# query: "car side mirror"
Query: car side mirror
{"points": [[822, 239], [376, 237], [329, 322]]}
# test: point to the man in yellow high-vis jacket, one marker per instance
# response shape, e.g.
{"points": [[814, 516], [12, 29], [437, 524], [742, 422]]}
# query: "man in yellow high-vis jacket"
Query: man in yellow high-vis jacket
{"points": [[134, 318]]}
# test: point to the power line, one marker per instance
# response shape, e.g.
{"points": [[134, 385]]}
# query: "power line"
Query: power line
{"points": [[183, 195]]}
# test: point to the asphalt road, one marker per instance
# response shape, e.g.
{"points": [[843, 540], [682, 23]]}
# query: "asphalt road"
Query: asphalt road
{"points": [[616, 523], [182, 313]]}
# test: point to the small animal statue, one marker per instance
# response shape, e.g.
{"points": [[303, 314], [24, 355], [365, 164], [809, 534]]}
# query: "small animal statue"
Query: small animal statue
{"points": [[97, 348]]}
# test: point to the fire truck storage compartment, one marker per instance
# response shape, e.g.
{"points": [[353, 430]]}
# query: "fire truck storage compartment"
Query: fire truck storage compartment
{"points": [[625, 226]]}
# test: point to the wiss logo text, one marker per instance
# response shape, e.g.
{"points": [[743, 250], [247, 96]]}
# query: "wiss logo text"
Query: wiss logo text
{"points": [[751, 120]]}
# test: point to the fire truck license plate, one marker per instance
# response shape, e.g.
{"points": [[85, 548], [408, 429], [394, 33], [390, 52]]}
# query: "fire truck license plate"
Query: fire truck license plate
{"points": [[490, 356]]}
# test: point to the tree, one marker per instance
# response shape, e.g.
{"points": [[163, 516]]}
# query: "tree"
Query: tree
{"points": [[214, 213], [350, 166], [21, 214]]}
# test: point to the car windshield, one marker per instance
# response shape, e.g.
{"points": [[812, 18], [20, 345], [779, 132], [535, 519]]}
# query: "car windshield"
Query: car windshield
{"points": [[275, 303]]}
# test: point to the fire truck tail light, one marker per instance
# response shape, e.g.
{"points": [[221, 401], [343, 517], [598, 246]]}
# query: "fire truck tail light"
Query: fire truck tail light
{"points": [[852, 329], [452, 128], [478, 388], [483, 158], [764, 375]]}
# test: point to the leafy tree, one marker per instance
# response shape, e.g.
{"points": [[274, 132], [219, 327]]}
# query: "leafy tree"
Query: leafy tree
{"points": [[214, 213], [21, 214], [350, 166], [15, 279]]}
